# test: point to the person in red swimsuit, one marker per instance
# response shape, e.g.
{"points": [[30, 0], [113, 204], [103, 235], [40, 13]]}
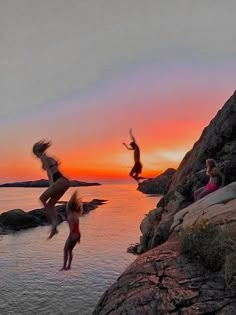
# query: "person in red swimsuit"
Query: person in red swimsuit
{"points": [[58, 184], [74, 208], [137, 168]]}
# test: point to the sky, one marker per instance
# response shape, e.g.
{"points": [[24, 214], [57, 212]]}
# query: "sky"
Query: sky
{"points": [[82, 72]]}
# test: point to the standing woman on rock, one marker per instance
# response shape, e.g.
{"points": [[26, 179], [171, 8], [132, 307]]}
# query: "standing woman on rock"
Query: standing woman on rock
{"points": [[58, 184], [216, 180]]}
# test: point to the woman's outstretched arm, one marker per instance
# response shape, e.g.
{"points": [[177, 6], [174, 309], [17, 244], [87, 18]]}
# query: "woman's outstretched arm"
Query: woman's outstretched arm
{"points": [[127, 147], [131, 134]]}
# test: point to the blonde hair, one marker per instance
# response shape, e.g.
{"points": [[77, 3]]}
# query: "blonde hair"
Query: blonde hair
{"points": [[75, 204], [211, 163], [41, 146]]}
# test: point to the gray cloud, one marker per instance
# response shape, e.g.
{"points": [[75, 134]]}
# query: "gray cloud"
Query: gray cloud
{"points": [[51, 49]]}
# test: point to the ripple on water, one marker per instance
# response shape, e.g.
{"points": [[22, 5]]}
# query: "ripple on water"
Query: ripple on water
{"points": [[30, 280]]}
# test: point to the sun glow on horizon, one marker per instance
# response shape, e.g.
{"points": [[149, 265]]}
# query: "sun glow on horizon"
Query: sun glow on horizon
{"points": [[87, 137], [85, 75]]}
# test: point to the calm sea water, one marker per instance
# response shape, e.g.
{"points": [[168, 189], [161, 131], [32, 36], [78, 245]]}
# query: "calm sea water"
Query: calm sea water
{"points": [[30, 280]]}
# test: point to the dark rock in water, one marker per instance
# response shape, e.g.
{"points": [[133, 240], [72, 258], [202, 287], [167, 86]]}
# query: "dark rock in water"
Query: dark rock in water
{"points": [[17, 219], [218, 141], [45, 183], [133, 249], [157, 185], [88, 206]]}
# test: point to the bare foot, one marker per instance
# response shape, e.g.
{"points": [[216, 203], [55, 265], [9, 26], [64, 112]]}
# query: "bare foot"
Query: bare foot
{"points": [[63, 268], [68, 268], [53, 232]]}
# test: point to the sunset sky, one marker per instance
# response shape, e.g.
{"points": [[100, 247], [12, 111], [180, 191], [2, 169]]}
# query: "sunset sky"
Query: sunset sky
{"points": [[81, 73]]}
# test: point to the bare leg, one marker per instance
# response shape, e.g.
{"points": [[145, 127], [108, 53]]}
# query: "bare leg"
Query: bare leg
{"points": [[203, 193], [65, 256], [49, 206], [51, 210], [196, 193], [53, 215], [49, 198], [141, 177], [134, 175], [70, 259], [138, 178], [199, 193]]}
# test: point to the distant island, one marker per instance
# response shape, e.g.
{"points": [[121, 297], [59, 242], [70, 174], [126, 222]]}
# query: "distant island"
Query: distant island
{"points": [[45, 183]]}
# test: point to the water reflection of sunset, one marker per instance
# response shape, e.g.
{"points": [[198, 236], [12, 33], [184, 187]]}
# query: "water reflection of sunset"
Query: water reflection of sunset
{"points": [[31, 262]]}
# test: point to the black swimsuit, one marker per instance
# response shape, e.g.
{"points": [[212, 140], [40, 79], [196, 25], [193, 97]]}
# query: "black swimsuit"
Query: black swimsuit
{"points": [[57, 174]]}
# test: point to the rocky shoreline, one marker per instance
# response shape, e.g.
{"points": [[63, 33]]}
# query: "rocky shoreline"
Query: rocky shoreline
{"points": [[17, 219], [162, 281], [165, 278]]}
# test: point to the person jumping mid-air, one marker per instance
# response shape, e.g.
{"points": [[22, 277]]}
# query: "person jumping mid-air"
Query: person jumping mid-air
{"points": [[74, 208], [58, 184], [137, 168]]}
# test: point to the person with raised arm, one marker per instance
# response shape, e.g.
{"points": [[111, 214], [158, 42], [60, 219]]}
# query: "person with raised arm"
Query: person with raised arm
{"points": [[137, 168]]}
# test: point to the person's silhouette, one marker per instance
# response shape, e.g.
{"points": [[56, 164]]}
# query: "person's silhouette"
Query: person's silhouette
{"points": [[58, 184], [137, 168]]}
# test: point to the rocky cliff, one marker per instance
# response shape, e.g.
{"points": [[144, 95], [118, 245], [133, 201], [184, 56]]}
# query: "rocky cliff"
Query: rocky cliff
{"points": [[167, 278], [164, 280], [218, 141]]}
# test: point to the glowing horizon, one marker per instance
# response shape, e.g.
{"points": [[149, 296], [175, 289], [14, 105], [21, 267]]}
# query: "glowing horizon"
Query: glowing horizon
{"points": [[106, 159], [83, 73]]}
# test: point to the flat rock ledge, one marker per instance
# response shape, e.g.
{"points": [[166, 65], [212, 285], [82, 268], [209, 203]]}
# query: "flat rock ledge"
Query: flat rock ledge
{"points": [[162, 281], [172, 214], [17, 219]]}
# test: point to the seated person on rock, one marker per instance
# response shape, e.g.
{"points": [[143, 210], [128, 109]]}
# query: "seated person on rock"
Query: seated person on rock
{"points": [[216, 180]]}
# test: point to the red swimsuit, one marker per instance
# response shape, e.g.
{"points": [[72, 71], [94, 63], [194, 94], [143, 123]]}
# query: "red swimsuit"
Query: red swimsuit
{"points": [[76, 228]]}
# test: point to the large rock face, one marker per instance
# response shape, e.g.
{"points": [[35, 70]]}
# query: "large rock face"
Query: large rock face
{"points": [[217, 141], [162, 281], [157, 185]]}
